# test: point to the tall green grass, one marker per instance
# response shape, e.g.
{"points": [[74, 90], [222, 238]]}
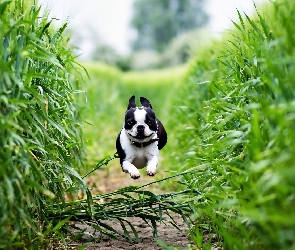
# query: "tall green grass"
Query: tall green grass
{"points": [[233, 134], [237, 138], [40, 146]]}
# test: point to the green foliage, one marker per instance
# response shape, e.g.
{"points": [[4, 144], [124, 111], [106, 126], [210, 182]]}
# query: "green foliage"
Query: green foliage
{"points": [[157, 22], [40, 145], [237, 139], [233, 134]]}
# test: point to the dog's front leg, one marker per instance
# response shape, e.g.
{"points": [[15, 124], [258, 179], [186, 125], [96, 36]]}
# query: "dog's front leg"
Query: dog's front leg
{"points": [[152, 165], [128, 167]]}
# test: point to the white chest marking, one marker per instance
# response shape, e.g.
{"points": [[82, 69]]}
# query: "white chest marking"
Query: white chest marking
{"points": [[139, 157]]}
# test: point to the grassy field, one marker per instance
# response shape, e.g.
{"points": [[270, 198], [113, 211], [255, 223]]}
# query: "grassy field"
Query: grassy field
{"points": [[229, 116], [41, 149], [237, 140], [231, 121], [40, 146]]}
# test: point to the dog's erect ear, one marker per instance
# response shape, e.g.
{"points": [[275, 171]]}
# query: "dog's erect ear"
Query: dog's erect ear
{"points": [[131, 103], [145, 102]]}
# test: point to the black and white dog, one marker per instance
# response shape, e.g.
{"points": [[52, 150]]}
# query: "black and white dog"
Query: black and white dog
{"points": [[140, 139]]}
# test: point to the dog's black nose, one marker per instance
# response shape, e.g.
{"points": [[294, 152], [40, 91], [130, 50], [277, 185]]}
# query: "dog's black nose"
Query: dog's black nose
{"points": [[140, 128]]}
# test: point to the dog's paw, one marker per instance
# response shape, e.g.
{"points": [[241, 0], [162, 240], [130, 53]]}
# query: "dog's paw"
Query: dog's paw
{"points": [[151, 171], [134, 174], [131, 169]]}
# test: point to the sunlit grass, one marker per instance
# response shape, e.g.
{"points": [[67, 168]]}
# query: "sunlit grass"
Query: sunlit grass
{"points": [[238, 121], [40, 146], [230, 124], [41, 150]]}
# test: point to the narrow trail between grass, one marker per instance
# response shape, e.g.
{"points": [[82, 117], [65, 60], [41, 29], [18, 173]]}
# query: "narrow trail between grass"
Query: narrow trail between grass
{"points": [[104, 181]]}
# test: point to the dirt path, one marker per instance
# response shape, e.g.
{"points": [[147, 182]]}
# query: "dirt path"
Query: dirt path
{"points": [[104, 182], [166, 233]]}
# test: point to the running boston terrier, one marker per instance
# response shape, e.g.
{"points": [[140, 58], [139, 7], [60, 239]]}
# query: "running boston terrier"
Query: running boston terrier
{"points": [[140, 139]]}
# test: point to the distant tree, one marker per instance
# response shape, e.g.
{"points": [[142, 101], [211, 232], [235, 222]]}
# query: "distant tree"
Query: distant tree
{"points": [[158, 21]]}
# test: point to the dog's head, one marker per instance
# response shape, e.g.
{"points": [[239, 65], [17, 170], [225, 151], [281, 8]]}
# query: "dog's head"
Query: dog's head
{"points": [[140, 122]]}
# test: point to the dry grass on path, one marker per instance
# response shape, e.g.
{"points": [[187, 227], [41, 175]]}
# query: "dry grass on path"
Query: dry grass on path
{"points": [[104, 181]]}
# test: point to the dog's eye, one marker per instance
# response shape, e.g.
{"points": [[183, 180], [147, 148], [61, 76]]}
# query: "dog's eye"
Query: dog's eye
{"points": [[150, 122], [130, 123]]}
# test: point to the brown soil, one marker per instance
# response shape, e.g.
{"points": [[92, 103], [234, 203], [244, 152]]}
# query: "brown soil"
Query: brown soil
{"points": [[166, 233], [106, 182]]}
